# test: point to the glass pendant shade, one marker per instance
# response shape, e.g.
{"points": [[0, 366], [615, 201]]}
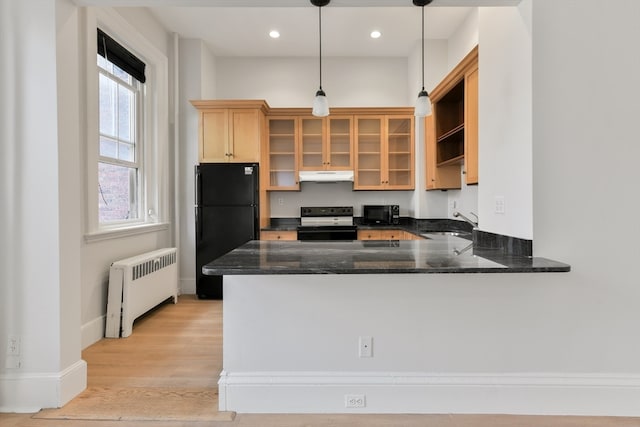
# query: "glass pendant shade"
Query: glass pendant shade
{"points": [[423, 105], [320, 104]]}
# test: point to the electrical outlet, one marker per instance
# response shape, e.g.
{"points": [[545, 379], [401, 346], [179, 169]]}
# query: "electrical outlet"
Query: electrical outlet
{"points": [[280, 201], [499, 205], [13, 346], [354, 401], [365, 345]]}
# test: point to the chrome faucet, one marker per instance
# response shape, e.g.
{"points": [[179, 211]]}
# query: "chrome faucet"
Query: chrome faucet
{"points": [[473, 223]]}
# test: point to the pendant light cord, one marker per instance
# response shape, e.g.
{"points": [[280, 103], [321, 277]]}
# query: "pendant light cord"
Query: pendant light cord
{"points": [[423, 48], [320, 34]]}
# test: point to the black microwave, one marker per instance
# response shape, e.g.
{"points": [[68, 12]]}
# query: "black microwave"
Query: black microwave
{"points": [[381, 214]]}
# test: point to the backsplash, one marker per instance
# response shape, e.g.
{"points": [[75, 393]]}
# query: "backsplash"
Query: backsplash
{"points": [[286, 204]]}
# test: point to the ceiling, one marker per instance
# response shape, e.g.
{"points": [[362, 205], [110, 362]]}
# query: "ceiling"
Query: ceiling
{"points": [[241, 27], [244, 31]]}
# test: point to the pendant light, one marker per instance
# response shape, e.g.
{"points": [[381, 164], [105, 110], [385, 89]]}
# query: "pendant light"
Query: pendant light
{"points": [[423, 104], [320, 102]]}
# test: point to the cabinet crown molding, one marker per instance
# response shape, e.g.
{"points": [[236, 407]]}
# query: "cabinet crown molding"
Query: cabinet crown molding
{"points": [[467, 64], [203, 104]]}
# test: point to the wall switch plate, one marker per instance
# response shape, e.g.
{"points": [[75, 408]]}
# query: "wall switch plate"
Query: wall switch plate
{"points": [[354, 401], [365, 345], [499, 205]]}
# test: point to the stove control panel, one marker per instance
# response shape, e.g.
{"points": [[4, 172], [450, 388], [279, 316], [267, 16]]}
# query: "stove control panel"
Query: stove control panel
{"points": [[316, 211]]}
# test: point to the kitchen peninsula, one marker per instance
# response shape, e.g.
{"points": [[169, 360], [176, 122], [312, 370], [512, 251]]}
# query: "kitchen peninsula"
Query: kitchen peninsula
{"points": [[360, 326]]}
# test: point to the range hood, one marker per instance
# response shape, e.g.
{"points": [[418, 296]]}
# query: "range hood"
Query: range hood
{"points": [[325, 176]]}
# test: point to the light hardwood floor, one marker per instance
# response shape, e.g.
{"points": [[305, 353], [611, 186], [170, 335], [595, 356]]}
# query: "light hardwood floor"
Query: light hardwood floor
{"points": [[181, 346]]}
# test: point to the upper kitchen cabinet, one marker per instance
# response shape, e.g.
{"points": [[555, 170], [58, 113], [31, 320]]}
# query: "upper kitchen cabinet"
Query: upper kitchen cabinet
{"points": [[230, 130], [438, 177], [384, 152], [282, 153], [298, 141], [453, 139], [326, 143]]}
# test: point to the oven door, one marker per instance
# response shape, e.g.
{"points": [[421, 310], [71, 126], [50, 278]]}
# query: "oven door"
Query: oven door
{"points": [[333, 232]]}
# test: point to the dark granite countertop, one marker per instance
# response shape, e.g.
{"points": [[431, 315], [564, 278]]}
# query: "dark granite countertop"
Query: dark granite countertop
{"points": [[437, 254], [407, 224]]}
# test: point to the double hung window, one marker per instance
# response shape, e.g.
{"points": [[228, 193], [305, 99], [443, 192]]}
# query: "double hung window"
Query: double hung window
{"points": [[121, 136], [128, 170]]}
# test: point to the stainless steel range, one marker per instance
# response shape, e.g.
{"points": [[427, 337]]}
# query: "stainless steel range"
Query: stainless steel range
{"points": [[327, 223]]}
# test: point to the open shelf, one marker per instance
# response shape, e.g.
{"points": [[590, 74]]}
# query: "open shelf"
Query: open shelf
{"points": [[452, 161], [452, 132]]}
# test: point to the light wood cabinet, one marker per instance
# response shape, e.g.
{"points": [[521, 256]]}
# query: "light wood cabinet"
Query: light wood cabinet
{"points": [[451, 136], [438, 177], [377, 143], [369, 234], [471, 124], [230, 130], [411, 236], [384, 152], [325, 143], [386, 234], [278, 235], [282, 154], [339, 148]]}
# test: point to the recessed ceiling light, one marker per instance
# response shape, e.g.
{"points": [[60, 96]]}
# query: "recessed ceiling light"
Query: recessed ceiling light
{"points": [[375, 34], [274, 34]]}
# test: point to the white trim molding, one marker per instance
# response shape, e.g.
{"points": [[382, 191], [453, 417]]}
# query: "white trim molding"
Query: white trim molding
{"points": [[30, 392], [117, 233], [156, 152], [426, 393]]}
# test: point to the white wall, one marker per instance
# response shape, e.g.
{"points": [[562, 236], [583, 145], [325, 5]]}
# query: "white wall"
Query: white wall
{"points": [[574, 334], [98, 255], [70, 184], [286, 204], [293, 82], [197, 81], [584, 173], [148, 25], [505, 128], [36, 262], [54, 282], [464, 38]]}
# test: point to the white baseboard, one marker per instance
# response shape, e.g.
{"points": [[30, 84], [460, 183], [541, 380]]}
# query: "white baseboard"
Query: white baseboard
{"points": [[187, 286], [92, 332], [422, 393], [30, 392]]}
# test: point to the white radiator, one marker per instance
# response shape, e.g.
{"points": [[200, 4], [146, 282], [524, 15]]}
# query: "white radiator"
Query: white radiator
{"points": [[138, 284]]}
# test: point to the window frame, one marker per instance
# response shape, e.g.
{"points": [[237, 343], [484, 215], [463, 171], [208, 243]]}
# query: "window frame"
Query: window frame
{"points": [[154, 129], [139, 139]]}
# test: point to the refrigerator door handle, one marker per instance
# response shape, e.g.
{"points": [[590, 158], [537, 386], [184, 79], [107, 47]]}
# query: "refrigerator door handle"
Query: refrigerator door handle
{"points": [[198, 224], [198, 178]]}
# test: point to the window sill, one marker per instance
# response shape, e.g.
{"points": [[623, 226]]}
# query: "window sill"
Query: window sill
{"points": [[117, 233]]}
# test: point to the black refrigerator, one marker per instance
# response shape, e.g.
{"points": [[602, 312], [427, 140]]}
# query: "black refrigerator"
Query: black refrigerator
{"points": [[227, 215]]}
